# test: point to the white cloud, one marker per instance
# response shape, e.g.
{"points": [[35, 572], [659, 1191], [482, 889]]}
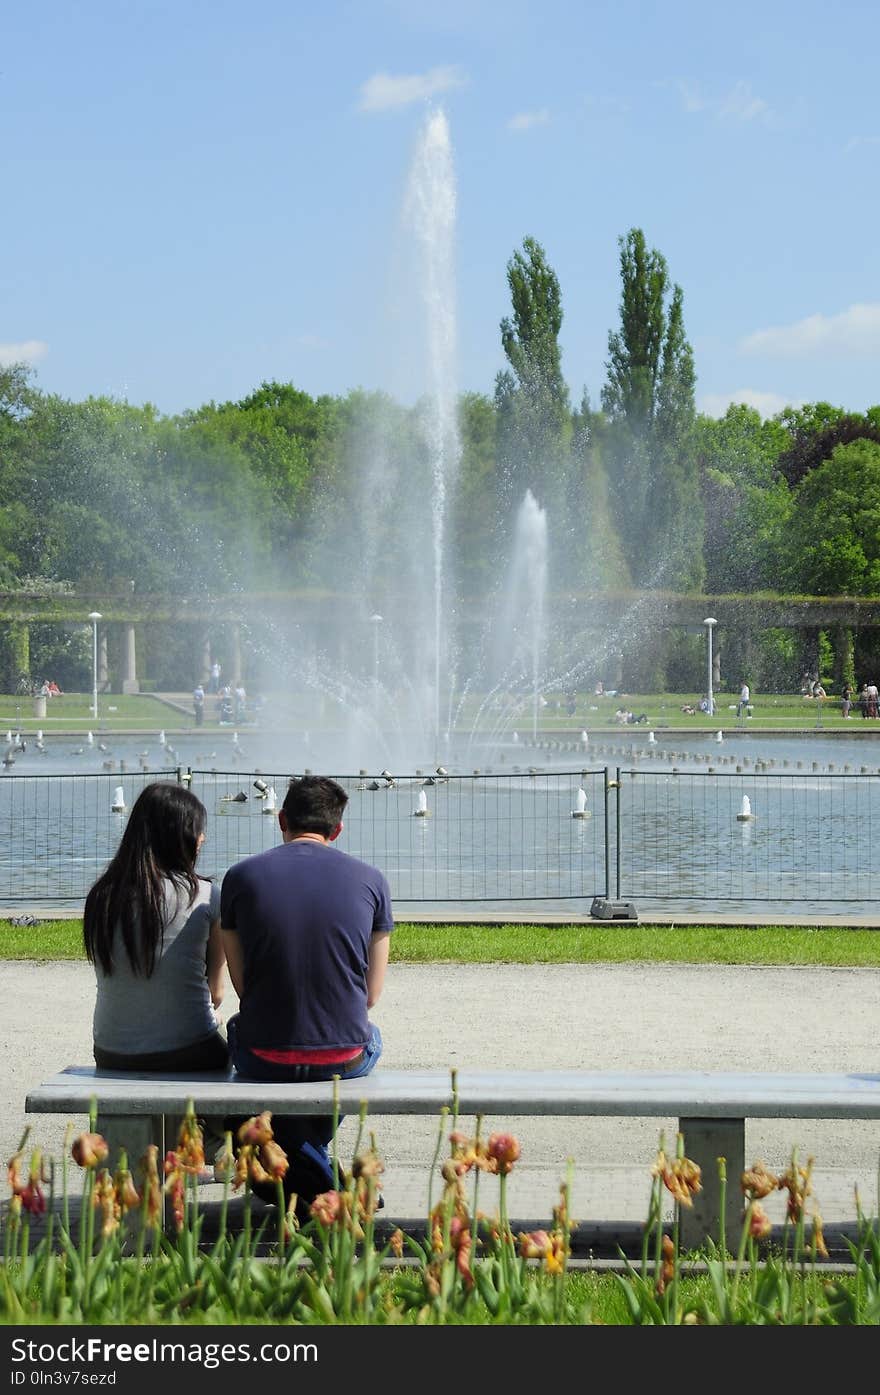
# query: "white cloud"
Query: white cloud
{"points": [[525, 120], [715, 404], [739, 104], [856, 141], [382, 91], [854, 333], [28, 351], [691, 97], [312, 341]]}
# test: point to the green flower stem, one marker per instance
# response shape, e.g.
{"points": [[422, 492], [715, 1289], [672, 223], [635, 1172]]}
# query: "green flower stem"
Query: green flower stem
{"points": [[741, 1251], [722, 1208], [65, 1200], [282, 1218], [478, 1124], [336, 1080], [444, 1114]]}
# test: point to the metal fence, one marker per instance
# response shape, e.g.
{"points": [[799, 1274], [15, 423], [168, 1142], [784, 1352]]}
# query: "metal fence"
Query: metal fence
{"points": [[644, 835], [807, 837]]}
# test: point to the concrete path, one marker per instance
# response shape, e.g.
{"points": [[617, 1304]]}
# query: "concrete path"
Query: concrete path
{"points": [[613, 1017]]}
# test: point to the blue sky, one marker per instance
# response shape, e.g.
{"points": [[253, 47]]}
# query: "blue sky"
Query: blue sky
{"points": [[201, 194]]}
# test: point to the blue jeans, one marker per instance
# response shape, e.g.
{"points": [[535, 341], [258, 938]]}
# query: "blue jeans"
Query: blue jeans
{"points": [[305, 1138]]}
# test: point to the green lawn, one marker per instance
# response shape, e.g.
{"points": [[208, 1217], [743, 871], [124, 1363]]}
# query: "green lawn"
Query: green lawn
{"points": [[778, 712], [550, 944], [73, 711]]}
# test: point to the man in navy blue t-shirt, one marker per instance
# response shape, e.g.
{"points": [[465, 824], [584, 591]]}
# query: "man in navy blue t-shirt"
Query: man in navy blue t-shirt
{"points": [[306, 930]]}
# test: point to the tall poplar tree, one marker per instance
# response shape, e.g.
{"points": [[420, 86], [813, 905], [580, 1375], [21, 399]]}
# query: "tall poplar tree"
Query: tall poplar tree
{"points": [[534, 412], [649, 401]]}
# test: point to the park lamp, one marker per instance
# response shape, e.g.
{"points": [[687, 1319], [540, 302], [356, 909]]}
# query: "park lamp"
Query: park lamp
{"points": [[710, 622], [95, 616]]}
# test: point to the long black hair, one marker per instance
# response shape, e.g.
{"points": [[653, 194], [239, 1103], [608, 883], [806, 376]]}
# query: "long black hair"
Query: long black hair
{"points": [[160, 841]]}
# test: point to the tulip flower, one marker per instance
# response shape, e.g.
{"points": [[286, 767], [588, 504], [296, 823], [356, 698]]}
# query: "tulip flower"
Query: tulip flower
{"points": [[502, 1151], [757, 1182], [89, 1150], [256, 1130]]}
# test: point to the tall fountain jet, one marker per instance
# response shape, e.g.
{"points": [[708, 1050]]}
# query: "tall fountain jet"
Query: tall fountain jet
{"points": [[430, 207]]}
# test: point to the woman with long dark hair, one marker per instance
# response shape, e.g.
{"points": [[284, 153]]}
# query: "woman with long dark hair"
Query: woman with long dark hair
{"points": [[151, 928]]}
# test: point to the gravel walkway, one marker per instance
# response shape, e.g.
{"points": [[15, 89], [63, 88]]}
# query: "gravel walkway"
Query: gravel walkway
{"points": [[613, 1017]]}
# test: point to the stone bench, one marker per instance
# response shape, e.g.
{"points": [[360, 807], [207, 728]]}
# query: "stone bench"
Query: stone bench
{"points": [[711, 1106]]}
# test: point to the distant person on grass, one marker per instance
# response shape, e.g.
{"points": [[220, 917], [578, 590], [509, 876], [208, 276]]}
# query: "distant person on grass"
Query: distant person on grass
{"points": [[307, 931], [151, 928]]}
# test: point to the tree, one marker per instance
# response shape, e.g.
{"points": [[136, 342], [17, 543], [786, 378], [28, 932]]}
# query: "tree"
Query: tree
{"points": [[534, 414], [815, 430], [649, 400], [473, 507], [745, 502], [831, 546], [602, 563]]}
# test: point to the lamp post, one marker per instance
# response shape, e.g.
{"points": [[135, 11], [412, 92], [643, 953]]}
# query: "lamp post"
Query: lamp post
{"points": [[376, 621], [95, 616], [710, 622]]}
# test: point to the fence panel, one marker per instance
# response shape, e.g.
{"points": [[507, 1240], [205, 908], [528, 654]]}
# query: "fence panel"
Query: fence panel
{"points": [[482, 837], [667, 835], [811, 837], [58, 832]]}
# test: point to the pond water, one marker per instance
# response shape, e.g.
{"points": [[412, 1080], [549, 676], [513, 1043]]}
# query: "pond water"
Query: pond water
{"points": [[503, 836]]}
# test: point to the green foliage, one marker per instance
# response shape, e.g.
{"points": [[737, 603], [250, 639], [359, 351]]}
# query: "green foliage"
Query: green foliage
{"points": [[649, 400], [550, 944], [474, 500], [745, 502], [831, 544], [115, 1261], [532, 400], [815, 431]]}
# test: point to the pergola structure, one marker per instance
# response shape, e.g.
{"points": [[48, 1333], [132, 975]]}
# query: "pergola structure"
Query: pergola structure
{"points": [[323, 618]]}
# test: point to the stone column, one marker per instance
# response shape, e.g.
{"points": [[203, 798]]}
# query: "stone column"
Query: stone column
{"points": [[129, 660], [202, 662], [810, 649], [234, 656], [103, 670], [19, 650], [844, 669]]}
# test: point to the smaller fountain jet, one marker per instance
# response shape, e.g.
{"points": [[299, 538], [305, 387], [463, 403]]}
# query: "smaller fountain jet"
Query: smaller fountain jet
{"points": [[581, 811], [423, 812]]}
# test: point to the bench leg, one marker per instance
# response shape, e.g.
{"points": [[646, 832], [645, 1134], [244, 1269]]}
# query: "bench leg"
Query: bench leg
{"points": [[134, 1133], [705, 1141]]}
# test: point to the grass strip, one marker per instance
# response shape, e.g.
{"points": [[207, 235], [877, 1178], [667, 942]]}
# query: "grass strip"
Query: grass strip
{"points": [[551, 944]]}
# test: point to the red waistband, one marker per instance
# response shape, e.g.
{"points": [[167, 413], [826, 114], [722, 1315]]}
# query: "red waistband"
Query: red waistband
{"points": [[325, 1057]]}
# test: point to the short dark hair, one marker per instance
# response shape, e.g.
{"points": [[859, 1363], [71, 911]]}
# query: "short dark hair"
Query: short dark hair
{"points": [[314, 804]]}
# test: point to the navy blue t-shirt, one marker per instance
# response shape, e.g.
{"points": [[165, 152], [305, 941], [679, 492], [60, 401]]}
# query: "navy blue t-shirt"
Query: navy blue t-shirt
{"points": [[304, 913]]}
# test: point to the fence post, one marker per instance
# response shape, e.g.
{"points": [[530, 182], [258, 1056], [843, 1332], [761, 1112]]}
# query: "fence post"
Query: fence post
{"points": [[617, 834], [607, 792]]}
